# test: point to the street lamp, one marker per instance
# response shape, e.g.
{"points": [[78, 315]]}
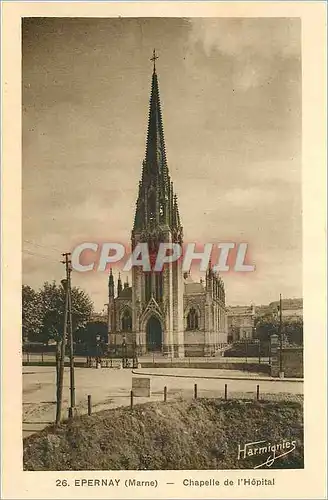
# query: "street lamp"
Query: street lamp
{"points": [[124, 354], [246, 344], [135, 355], [98, 338]]}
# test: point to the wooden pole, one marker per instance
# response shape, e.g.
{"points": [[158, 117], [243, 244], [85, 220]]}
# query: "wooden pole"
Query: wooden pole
{"points": [[89, 405], [280, 333], [67, 263], [195, 391], [131, 400], [257, 392], [165, 394], [62, 365], [225, 391]]}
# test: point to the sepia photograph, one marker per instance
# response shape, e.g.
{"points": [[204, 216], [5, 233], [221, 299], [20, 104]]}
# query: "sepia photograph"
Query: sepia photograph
{"points": [[162, 295]]}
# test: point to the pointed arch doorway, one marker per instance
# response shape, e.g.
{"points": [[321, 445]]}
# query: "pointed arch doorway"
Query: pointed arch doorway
{"points": [[154, 334]]}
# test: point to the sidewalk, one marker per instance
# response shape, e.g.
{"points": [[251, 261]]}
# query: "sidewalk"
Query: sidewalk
{"points": [[226, 375]]}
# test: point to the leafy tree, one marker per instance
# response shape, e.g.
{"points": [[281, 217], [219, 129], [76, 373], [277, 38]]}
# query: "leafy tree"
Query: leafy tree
{"points": [[82, 308], [292, 328], [266, 326], [52, 297], [87, 336], [31, 314]]}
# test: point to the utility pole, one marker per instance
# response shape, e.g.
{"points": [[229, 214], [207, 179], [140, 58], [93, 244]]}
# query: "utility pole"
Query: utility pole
{"points": [[62, 359], [68, 268], [280, 336]]}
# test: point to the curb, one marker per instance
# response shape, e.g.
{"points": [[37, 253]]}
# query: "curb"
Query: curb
{"points": [[258, 379]]}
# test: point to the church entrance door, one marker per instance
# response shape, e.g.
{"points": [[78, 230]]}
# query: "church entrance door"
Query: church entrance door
{"points": [[154, 334]]}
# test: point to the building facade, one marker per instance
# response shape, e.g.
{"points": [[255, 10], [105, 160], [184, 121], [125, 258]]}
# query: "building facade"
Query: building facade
{"points": [[241, 319], [164, 311], [241, 323]]}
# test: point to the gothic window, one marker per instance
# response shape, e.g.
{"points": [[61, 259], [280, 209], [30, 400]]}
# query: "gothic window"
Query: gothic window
{"points": [[159, 286], [147, 287], [126, 322], [192, 320]]}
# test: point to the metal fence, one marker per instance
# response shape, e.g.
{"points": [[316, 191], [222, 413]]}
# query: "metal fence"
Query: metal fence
{"points": [[130, 359]]}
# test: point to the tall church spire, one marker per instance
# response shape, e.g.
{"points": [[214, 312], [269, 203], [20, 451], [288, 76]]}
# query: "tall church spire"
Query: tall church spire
{"points": [[155, 149], [157, 204]]}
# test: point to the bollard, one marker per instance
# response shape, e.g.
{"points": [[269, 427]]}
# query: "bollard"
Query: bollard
{"points": [[42, 358], [131, 400], [89, 405], [195, 391], [257, 392], [111, 362], [225, 391], [165, 394]]}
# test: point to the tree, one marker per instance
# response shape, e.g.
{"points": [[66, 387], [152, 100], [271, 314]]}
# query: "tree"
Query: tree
{"points": [[89, 332], [292, 328], [52, 298], [31, 314], [266, 326], [88, 335]]}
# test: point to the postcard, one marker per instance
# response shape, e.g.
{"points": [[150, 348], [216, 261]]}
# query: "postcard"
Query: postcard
{"points": [[164, 272]]}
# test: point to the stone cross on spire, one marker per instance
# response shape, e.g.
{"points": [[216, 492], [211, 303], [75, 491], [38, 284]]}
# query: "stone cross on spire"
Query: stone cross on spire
{"points": [[154, 59]]}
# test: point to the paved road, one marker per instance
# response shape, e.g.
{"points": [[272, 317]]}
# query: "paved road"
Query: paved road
{"points": [[110, 388], [50, 357]]}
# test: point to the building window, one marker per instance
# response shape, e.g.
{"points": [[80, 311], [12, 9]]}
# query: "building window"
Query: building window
{"points": [[126, 323], [192, 320], [147, 287], [159, 286]]}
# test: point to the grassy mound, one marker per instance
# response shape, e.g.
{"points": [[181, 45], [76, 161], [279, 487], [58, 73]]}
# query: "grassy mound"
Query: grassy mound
{"points": [[202, 434]]}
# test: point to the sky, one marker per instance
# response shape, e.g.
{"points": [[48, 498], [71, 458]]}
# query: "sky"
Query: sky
{"points": [[231, 101]]}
